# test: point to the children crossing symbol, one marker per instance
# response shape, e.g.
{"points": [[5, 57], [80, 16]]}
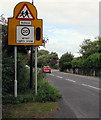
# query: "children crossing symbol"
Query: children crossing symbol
{"points": [[25, 13]]}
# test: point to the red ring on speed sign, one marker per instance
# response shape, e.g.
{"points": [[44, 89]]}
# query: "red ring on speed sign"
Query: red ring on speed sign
{"points": [[25, 31]]}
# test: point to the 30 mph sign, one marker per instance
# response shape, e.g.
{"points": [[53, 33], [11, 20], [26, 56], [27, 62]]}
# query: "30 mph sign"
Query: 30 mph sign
{"points": [[25, 34]]}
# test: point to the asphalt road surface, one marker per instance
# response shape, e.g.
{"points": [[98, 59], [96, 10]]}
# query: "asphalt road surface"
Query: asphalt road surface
{"points": [[80, 95]]}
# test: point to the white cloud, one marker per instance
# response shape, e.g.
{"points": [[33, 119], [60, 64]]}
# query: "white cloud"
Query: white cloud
{"points": [[65, 40], [82, 15]]}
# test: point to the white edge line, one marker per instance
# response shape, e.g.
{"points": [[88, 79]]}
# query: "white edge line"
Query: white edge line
{"points": [[52, 75], [59, 76], [91, 86], [84, 84], [70, 80], [94, 87]]}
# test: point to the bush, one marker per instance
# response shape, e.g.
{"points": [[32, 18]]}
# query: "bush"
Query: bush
{"points": [[21, 98], [65, 61], [47, 92], [23, 74], [7, 75]]}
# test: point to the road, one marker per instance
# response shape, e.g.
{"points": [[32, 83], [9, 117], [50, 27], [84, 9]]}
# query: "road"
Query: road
{"points": [[80, 95]]}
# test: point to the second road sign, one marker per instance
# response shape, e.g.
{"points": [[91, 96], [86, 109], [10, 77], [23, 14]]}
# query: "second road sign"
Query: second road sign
{"points": [[25, 34]]}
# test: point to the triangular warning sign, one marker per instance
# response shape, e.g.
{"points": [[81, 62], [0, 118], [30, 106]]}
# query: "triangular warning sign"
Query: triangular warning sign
{"points": [[25, 13]]}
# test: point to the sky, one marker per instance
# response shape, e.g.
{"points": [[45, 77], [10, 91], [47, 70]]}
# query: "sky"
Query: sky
{"points": [[66, 23]]}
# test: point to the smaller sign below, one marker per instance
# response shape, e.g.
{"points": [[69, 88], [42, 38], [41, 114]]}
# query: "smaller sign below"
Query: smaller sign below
{"points": [[25, 34], [25, 23]]}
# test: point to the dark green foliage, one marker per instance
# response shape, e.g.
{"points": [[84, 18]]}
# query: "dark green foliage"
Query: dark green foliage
{"points": [[43, 52], [46, 58], [23, 74], [89, 47], [53, 59], [65, 61], [90, 61], [21, 98], [7, 74], [47, 92]]}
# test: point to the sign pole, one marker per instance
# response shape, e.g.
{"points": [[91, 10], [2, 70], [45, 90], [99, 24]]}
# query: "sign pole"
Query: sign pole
{"points": [[15, 81], [31, 65], [35, 64], [31, 68], [32, 2], [35, 70]]}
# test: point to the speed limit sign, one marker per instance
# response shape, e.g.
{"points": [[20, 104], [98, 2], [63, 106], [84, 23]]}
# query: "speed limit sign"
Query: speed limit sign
{"points": [[25, 31], [25, 34]]}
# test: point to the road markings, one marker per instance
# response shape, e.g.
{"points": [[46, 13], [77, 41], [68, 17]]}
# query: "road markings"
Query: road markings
{"points": [[52, 75], [94, 87], [70, 80], [91, 86], [84, 84], [59, 76], [75, 81]]}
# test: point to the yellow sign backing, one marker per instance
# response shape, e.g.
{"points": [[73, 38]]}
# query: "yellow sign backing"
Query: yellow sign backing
{"points": [[22, 28]]}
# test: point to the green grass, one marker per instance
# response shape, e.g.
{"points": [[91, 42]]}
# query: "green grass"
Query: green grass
{"points": [[29, 110]]}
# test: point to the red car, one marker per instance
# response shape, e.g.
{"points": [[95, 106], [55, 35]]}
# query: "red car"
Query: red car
{"points": [[47, 69]]}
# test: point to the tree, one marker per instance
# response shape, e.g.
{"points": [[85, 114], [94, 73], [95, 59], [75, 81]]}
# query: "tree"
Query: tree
{"points": [[46, 58], [43, 52], [3, 20], [91, 57], [94, 61], [89, 47], [65, 61], [53, 59]]}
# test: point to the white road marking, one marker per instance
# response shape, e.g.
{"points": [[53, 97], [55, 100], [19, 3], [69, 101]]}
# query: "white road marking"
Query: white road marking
{"points": [[59, 76], [70, 80], [91, 86], [75, 81], [52, 75], [84, 84], [94, 87]]}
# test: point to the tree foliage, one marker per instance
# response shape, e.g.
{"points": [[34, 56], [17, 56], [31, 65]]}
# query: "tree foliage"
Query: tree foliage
{"points": [[65, 61], [91, 56], [89, 47], [46, 58]]}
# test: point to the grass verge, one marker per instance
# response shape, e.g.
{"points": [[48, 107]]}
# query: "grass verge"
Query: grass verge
{"points": [[29, 110]]}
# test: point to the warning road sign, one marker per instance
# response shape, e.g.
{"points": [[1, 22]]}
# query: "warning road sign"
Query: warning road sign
{"points": [[25, 34], [24, 28], [25, 13]]}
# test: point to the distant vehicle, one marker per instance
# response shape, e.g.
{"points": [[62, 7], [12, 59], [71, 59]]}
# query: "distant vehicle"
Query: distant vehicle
{"points": [[47, 69]]}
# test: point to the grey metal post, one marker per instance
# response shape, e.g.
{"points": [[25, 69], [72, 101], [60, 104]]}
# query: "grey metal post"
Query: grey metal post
{"points": [[35, 64], [32, 2], [31, 68], [35, 70], [15, 81]]}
